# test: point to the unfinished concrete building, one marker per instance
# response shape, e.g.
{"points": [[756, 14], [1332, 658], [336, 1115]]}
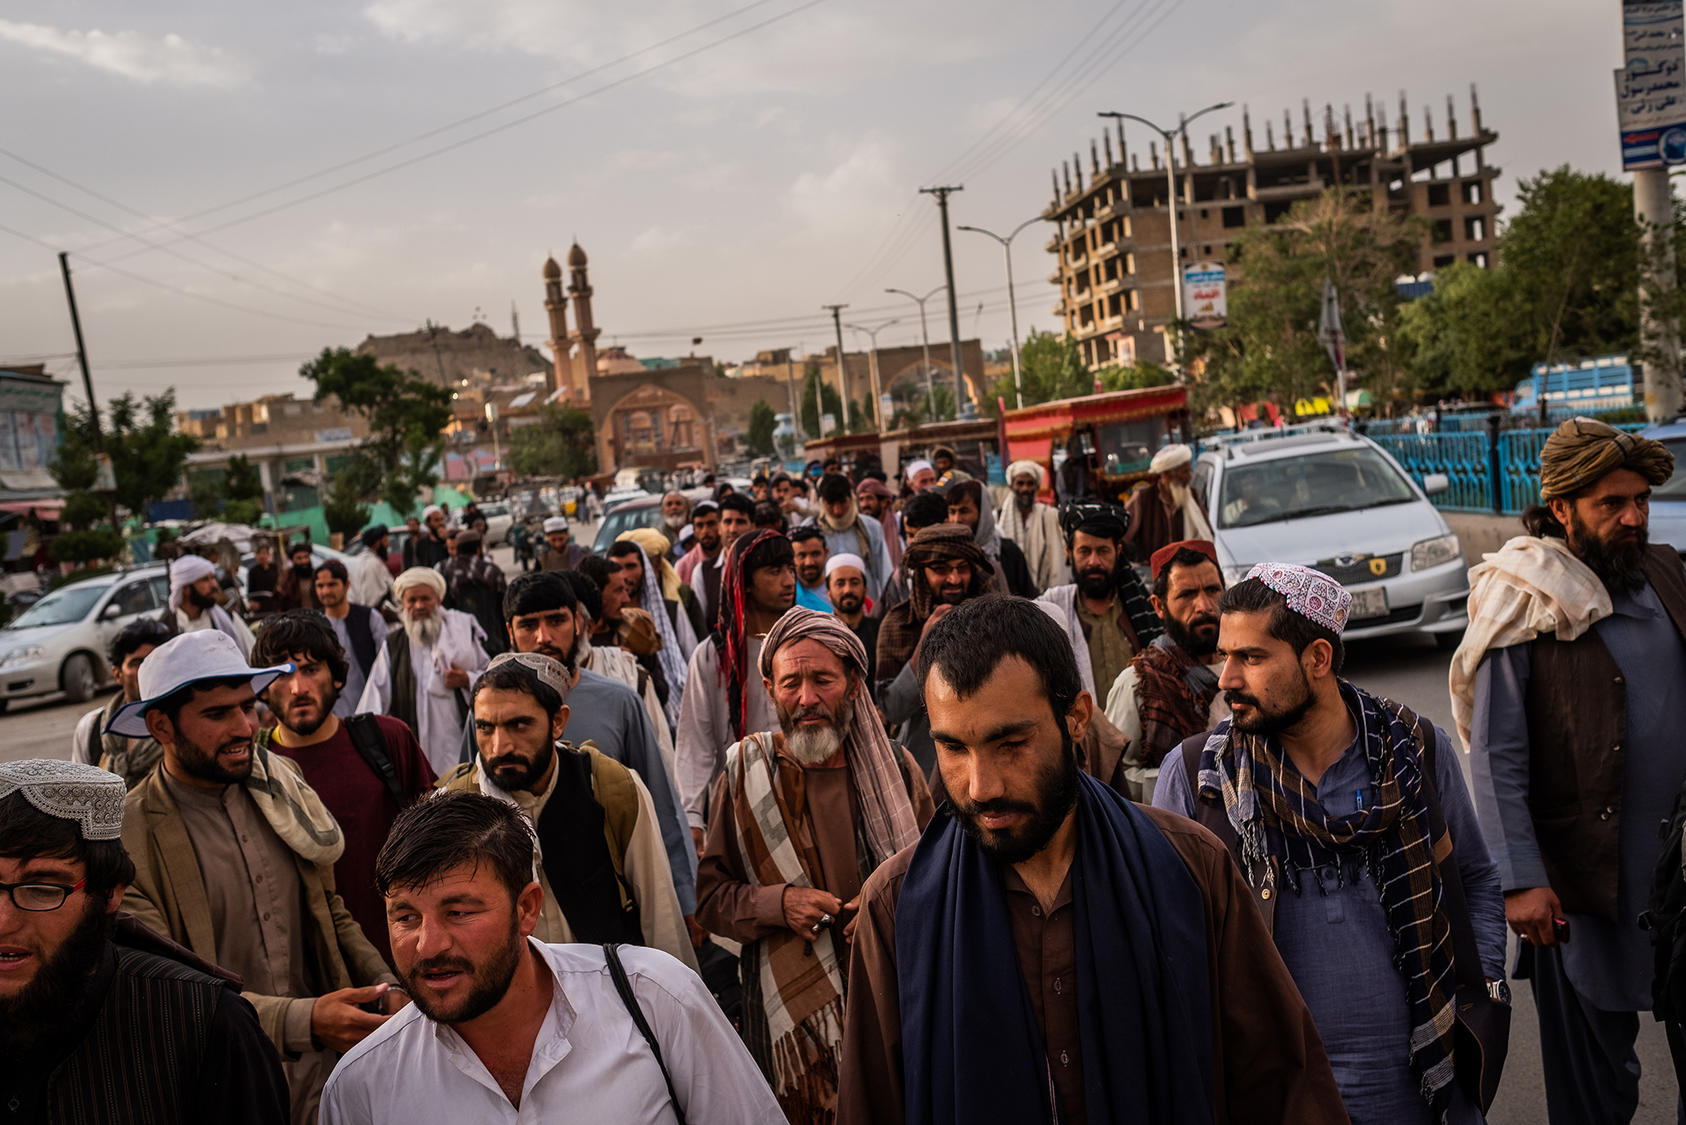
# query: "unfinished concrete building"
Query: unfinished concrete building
{"points": [[1113, 243]]}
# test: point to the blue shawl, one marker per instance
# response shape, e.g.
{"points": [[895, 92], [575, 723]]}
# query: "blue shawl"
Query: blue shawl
{"points": [[970, 1047]]}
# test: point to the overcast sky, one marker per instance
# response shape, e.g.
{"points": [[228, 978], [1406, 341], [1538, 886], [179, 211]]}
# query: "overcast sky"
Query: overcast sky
{"points": [[728, 165]]}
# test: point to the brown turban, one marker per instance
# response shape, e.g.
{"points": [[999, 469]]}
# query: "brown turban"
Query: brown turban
{"points": [[1582, 450], [938, 543]]}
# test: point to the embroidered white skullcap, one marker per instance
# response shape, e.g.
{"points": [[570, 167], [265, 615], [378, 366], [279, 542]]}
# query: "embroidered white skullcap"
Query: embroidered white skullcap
{"points": [[75, 791], [845, 559], [1170, 457], [555, 523], [1310, 593], [546, 669]]}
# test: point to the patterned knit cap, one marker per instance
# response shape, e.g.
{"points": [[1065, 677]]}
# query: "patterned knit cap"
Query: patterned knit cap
{"points": [[75, 791]]}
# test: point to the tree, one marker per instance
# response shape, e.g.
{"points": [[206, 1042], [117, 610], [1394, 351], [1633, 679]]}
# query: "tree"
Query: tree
{"points": [[1135, 377], [562, 444], [813, 393], [405, 414], [147, 454], [242, 489], [759, 438], [344, 509], [1051, 367]]}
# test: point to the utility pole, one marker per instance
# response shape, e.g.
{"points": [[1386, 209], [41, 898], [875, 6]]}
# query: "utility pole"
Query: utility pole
{"points": [[1174, 203], [924, 336], [88, 384], [1012, 301], [842, 377], [795, 403], [872, 364], [942, 194]]}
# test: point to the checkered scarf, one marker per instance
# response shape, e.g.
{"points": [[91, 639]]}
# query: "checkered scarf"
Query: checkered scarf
{"points": [[1283, 829]]}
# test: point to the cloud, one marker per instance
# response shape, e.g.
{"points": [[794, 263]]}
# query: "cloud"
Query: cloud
{"points": [[659, 240], [858, 188], [168, 59]]}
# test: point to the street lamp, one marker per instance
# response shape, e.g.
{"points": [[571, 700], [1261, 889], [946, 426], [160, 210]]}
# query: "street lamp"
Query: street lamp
{"points": [[924, 336], [872, 364], [1012, 300], [1171, 181]]}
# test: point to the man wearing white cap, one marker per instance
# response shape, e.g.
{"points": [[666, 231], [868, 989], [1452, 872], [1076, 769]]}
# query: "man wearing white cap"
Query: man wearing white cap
{"points": [[1034, 526], [845, 585], [234, 858], [194, 605], [559, 553], [425, 669], [1165, 511], [920, 476], [1350, 820]]}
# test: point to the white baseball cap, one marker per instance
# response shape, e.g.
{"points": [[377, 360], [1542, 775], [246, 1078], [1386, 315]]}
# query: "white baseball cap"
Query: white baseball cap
{"points": [[192, 658]]}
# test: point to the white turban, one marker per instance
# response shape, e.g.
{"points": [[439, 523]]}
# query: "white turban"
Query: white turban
{"points": [[1026, 469], [1170, 457], [419, 576], [432, 509], [845, 559], [914, 468], [184, 572]]}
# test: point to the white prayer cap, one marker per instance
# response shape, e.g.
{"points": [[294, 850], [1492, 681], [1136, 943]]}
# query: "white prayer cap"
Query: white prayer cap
{"points": [[1170, 457], [431, 510], [1025, 469], [845, 559], [419, 576], [192, 658], [915, 467], [75, 791], [555, 523]]}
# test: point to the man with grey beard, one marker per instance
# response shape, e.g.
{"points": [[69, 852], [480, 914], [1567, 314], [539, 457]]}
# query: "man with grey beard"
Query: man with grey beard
{"points": [[797, 821], [425, 669]]}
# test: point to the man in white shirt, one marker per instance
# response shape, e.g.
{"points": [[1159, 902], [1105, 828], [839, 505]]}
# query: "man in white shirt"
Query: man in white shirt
{"points": [[371, 581], [504, 1028]]}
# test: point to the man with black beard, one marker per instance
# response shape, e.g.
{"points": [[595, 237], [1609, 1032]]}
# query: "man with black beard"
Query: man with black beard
{"points": [[365, 767], [601, 859], [845, 585], [1564, 690], [1170, 689], [234, 858], [1106, 613], [78, 980], [1050, 951], [506, 1027]]}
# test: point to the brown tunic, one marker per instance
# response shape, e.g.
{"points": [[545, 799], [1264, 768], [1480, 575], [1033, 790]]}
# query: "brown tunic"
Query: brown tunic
{"points": [[1268, 1063]]}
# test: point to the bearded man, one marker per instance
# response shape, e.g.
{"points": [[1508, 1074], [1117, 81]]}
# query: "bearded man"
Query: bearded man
{"points": [[1348, 816], [849, 530], [797, 821], [845, 586], [699, 568], [371, 581], [968, 504], [424, 670], [559, 552], [361, 629], [676, 514], [80, 980], [1163, 510], [129, 758], [1106, 612], [1050, 951], [1170, 689], [1564, 690], [1033, 525], [945, 568], [194, 603]]}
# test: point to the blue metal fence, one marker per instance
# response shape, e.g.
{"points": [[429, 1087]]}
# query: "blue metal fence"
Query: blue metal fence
{"points": [[1484, 478]]}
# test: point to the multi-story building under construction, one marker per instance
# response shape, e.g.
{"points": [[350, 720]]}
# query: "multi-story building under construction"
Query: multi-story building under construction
{"points": [[1113, 244]]}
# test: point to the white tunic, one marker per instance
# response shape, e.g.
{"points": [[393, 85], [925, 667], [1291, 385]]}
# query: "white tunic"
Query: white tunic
{"points": [[439, 717]]}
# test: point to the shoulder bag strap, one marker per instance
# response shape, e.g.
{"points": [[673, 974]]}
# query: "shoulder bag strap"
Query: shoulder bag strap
{"points": [[612, 956], [370, 744]]}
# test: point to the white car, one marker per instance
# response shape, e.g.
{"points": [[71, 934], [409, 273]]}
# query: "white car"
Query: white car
{"points": [[1327, 498], [60, 642], [499, 522]]}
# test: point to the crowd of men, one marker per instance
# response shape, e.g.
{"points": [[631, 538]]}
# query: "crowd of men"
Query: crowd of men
{"points": [[853, 800]]}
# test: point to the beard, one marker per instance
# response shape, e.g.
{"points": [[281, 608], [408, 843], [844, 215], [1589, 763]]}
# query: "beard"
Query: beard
{"points": [[512, 772], [305, 727], [52, 997], [424, 630], [1024, 501], [1056, 793], [1618, 563], [811, 576], [196, 761], [674, 522], [1198, 638], [203, 601], [849, 603], [488, 982], [948, 595], [811, 745], [1179, 493], [1096, 582], [1265, 722]]}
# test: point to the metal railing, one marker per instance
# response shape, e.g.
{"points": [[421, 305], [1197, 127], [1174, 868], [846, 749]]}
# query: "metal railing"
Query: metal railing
{"points": [[1490, 472]]}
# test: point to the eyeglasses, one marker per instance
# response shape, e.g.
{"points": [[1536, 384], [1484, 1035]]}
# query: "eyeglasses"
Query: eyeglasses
{"points": [[40, 897]]}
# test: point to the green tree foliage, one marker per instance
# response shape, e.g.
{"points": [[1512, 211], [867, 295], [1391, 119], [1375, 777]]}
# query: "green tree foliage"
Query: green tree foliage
{"points": [[562, 444], [1135, 377], [405, 414], [344, 502], [759, 438], [243, 491], [83, 547], [1051, 368], [813, 393], [147, 454]]}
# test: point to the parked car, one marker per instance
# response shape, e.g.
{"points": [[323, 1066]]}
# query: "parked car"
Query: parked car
{"points": [[499, 521], [1668, 500], [59, 643], [1330, 499], [644, 512]]}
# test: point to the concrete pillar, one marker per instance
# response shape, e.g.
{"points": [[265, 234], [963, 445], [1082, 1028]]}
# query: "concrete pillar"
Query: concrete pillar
{"points": [[1659, 334]]}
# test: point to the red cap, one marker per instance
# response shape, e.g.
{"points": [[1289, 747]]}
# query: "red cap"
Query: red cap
{"points": [[1162, 557]]}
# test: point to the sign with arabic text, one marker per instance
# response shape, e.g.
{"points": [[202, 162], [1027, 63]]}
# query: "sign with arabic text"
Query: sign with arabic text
{"points": [[1651, 88], [1205, 295]]}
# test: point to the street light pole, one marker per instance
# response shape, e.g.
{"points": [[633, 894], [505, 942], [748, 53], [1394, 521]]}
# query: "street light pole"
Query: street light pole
{"points": [[872, 364], [1173, 204], [924, 336], [1012, 300]]}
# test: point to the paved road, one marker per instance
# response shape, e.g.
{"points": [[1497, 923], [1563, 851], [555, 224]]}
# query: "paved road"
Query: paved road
{"points": [[1411, 672]]}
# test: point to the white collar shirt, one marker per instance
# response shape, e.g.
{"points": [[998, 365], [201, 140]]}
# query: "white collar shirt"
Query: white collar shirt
{"points": [[589, 1062]]}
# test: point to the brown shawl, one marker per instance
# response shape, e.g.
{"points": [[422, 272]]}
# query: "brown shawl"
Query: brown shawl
{"points": [[1173, 700], [899, 634]]}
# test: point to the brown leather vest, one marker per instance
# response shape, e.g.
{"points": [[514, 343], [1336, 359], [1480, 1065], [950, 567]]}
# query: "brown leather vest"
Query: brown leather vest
{"points": [[1577, 728]]}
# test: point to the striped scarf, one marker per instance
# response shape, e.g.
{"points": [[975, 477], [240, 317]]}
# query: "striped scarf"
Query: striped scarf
{"points": [[1283, 829], [1174, 694]]}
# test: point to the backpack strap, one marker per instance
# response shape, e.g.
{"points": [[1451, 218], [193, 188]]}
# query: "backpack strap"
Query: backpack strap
{"points": [[612, 956], [370, 745]]}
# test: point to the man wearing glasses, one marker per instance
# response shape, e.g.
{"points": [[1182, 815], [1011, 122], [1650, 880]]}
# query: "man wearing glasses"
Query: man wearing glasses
{"points": [[76, 978]]}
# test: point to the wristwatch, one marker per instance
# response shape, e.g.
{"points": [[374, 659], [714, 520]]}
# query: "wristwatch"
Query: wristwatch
{"points": [[1498, 990]]}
